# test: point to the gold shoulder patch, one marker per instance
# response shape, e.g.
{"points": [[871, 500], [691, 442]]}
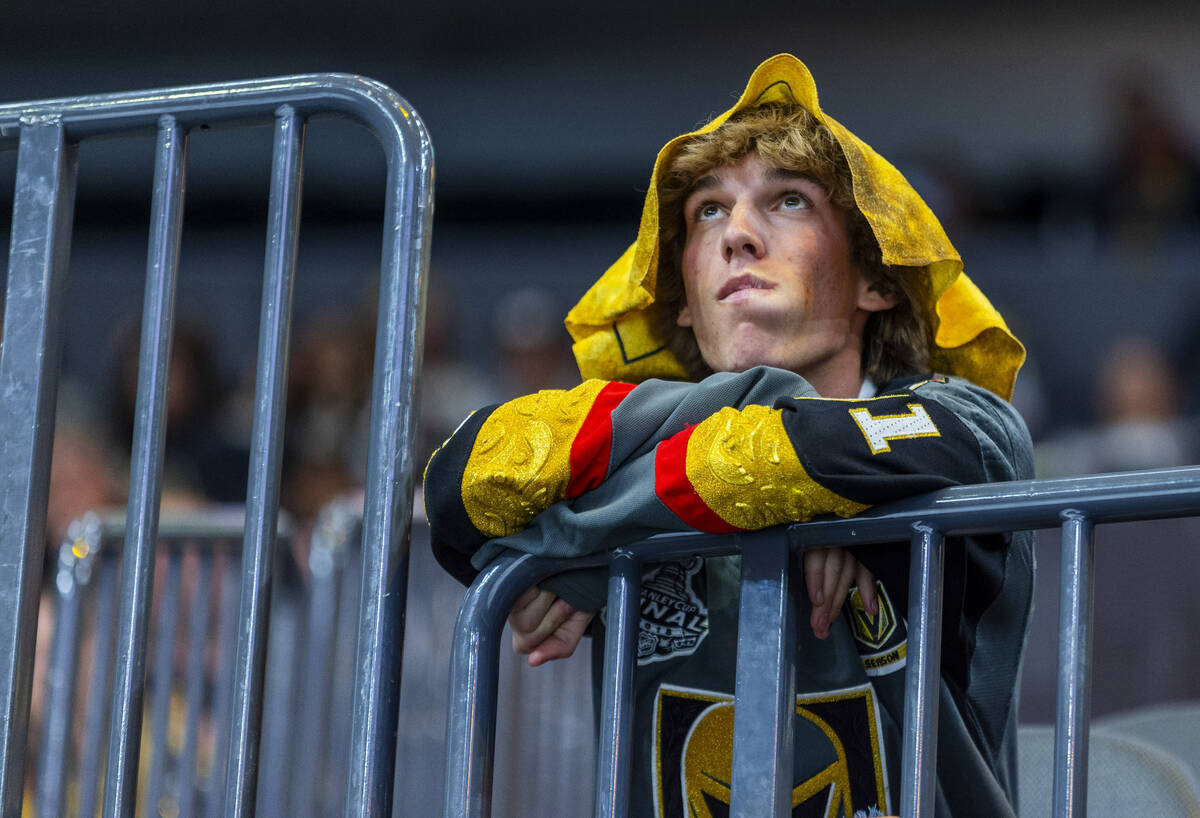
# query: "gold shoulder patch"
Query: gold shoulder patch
{"points": [[521, 461], [742, 465]]}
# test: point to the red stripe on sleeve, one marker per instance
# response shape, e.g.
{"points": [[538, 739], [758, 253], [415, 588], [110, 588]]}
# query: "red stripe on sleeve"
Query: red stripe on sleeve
{"points": [[592, 447], [676, 491]]}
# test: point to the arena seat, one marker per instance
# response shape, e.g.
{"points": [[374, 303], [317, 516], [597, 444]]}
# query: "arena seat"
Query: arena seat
{"points": [[1126, 776], [1174, 727]]}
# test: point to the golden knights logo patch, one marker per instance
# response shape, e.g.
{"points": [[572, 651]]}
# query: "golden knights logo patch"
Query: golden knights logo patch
{"points": [[883, 636], [872, 631], [839, 763]]}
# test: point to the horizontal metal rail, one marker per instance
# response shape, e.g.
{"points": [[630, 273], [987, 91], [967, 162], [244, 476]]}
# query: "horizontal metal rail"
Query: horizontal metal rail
{"points": [[1075, 504]]}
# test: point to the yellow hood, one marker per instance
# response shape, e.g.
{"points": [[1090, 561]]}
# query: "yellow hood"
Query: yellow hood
{"points": [[611, 325]]}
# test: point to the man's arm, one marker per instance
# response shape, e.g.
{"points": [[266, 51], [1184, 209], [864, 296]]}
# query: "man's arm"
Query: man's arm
{"points": [[760, 453], [506, 464], [761, 465]]}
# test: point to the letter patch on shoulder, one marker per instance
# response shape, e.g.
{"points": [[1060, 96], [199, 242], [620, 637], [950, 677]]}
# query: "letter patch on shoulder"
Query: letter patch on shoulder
{"points": [[879, 429]]}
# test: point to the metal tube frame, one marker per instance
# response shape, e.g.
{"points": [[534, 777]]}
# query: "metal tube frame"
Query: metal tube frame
{"points": [[616, 709], [1074, 665], [765, 686], [262, 501], [61, 680], [918, 763], [29, 352], [1075, 503], [145, 480], [47, 133]]}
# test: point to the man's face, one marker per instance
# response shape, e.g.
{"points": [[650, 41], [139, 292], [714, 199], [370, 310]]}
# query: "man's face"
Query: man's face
{"points": [[768, 277]]}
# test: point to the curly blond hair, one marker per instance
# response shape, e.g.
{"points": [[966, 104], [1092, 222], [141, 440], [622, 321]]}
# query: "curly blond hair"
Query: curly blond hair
{"points": [[896, 341]]}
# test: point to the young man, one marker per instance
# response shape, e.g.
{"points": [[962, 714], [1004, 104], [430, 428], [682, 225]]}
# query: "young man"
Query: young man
{"points": [[801, 295]]}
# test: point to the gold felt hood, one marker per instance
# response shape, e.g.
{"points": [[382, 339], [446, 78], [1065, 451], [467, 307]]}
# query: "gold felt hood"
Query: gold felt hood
{"points": [[611, 324]]}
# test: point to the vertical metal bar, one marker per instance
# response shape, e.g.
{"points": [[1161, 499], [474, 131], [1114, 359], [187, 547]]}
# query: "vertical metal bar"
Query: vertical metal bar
{"points": [[918, 767], [387, 511], [60, 684], [223, 706], [29, 354], [765, 690], [341, 707], [616, 711], [1074, 666], [311, 727], [164, 681], [95, 719], [197, 639], [474, 667], [262, 501], [276, 740], [145, 479]]}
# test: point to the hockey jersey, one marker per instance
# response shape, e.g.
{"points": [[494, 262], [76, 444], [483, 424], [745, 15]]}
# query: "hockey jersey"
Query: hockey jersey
{"points": [[566, 473]]}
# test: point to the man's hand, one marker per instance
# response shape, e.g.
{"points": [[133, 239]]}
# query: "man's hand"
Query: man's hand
{"points": [[829, 573], [546, 627]]}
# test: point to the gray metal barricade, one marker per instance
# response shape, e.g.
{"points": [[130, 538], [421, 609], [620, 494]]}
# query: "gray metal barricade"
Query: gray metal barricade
{"points": [[763, 689], [46, 135], [193, 637]]}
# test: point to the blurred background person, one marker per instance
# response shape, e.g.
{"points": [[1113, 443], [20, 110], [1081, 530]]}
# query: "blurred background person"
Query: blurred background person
{"points": [[1138, 421]]}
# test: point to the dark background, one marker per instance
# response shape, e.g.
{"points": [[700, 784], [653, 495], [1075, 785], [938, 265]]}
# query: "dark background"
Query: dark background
{"points": [[546, 117], [545, 121]]}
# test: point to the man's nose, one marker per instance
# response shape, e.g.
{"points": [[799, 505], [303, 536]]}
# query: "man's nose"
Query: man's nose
{"points": [[743, 234]]}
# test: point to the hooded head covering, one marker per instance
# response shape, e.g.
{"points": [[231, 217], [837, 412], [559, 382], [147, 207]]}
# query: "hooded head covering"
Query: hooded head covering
{"points": [[613, 326]]}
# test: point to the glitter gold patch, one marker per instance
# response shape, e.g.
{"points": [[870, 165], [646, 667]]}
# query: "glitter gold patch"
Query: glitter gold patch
{"points": [[742, 465], [520, 463], [694, 757], [708, 768]]}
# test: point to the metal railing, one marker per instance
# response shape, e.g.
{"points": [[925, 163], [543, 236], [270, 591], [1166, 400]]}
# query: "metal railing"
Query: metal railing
{"points": [[194, 634], [46, 135], [762, 751]]}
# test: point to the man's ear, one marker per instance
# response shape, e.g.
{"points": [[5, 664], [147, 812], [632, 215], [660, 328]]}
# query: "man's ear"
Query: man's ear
{"points": [[684, 319], [871, 299]]}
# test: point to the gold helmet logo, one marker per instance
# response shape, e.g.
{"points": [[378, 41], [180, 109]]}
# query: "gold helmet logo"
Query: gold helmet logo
{"points": [[708, 767]]}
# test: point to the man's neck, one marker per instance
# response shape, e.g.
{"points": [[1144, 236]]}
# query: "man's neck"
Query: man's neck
{"points": [[841, 385]]}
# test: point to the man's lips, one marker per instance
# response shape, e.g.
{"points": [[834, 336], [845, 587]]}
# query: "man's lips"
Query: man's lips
{"points": [[742, 283]]}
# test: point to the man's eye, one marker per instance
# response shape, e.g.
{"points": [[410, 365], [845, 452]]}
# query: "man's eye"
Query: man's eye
{"points": [[794, 201], [708, 210]]}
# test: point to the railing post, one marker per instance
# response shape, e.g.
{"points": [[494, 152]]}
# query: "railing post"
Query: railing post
{"points": [[1074, 666], [765, 689], [262, 501], [29, 352], [387, 507], [616, 711], [71, 581], [145, 480], [918, 767], [474, 666]]}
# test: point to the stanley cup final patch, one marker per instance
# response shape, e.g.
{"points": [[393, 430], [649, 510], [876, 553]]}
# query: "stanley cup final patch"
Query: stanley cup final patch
{"points": [[674, 618]]}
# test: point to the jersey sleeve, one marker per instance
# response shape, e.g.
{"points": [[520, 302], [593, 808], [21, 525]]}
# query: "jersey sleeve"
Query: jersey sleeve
{"points": [[749, 468], [506, 464]]}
